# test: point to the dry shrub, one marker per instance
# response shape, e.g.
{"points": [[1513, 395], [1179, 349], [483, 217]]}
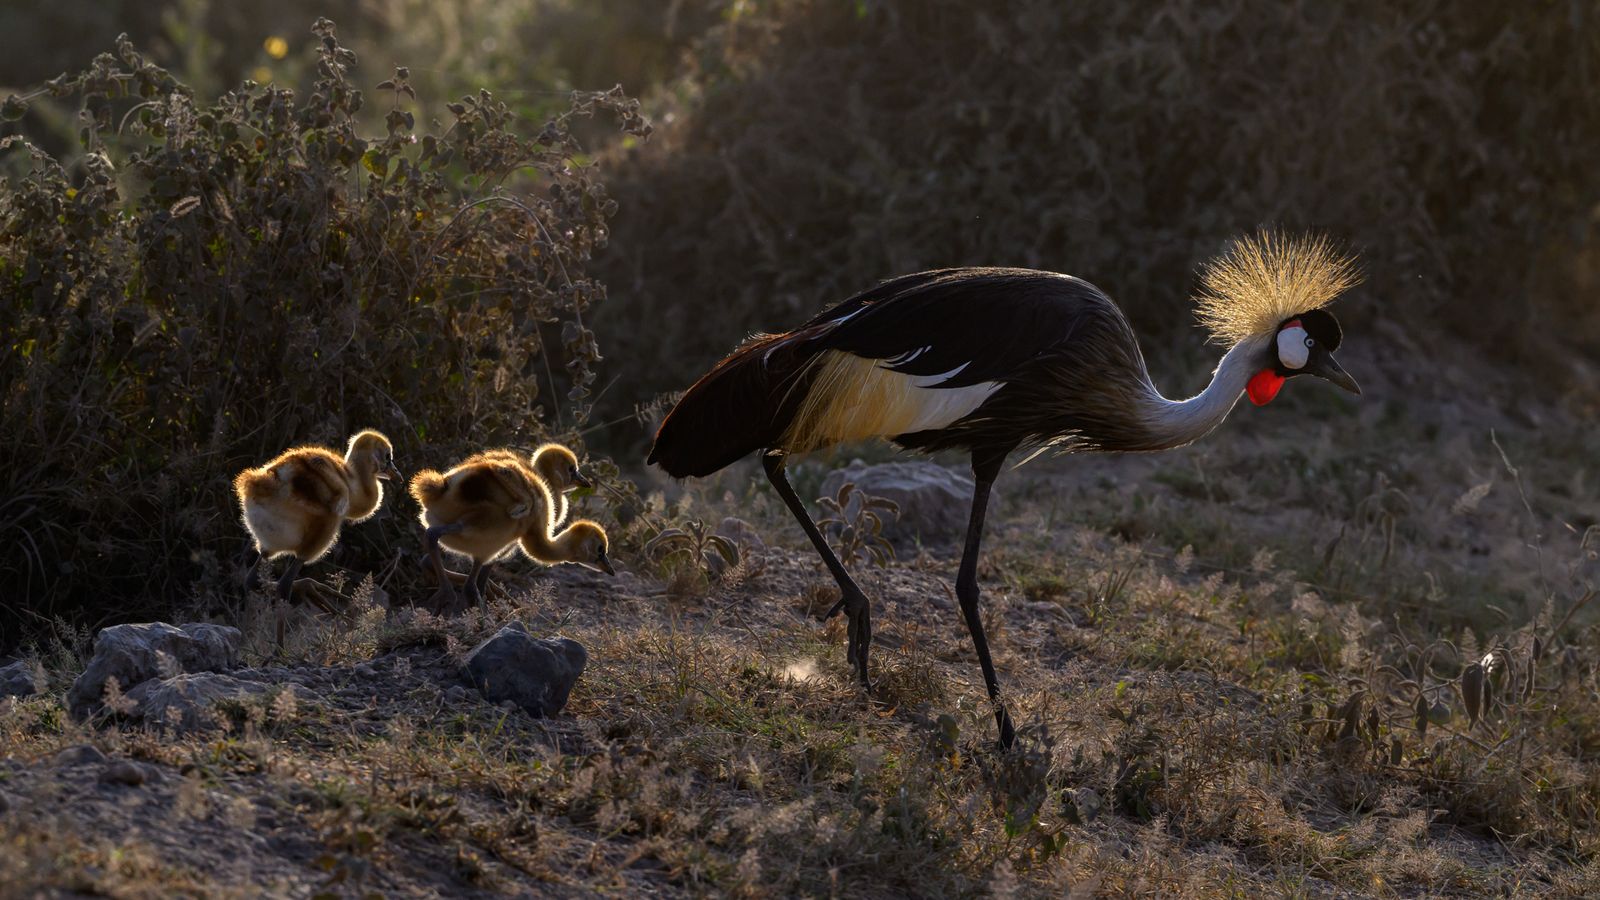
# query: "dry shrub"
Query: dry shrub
{"points": [[823, 146], [208, 283]]}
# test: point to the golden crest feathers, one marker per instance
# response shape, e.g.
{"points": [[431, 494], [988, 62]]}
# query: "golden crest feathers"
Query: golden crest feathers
{"points": [[1261, 280]]}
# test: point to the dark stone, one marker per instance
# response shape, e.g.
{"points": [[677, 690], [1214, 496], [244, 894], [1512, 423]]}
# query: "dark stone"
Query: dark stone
{"points": [[124, 772], [536, 674], [187, 702], [79, 755], [133, 654], [18, 680], [935, 502], [744, 536]]}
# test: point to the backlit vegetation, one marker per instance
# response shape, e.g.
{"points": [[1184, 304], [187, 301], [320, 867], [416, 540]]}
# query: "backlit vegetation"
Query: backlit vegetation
{"points": [[214, 280]]}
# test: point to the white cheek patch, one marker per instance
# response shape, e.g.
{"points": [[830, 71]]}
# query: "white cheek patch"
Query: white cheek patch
{"points": [[1292, 349]]}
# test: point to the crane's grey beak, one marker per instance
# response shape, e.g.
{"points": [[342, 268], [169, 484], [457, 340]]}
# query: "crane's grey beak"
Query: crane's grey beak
{"points": [[1325, 366]]}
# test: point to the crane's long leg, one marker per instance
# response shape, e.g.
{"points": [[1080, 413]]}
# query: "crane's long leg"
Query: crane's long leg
{"points": [[854, 601], [984, 469]]}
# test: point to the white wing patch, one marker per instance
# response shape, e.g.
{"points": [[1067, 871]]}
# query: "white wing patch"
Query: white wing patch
{"points": [[944, 406], [852, 398]]}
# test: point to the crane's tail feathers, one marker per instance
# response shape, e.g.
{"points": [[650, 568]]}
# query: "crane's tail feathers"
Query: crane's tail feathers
{"points": [[427, 486], [744, 404]]}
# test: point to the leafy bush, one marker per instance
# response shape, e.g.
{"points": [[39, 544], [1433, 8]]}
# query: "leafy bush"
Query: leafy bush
{"points": [[212, 282], [820, 146], [852, 521]]}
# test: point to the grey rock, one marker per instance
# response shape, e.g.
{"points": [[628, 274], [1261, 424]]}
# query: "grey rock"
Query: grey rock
{"points": [[133, 654], [18, 680], [79, 755], [743, 535], [186, 702], [935, 502], [535, 673], [124, 772]]}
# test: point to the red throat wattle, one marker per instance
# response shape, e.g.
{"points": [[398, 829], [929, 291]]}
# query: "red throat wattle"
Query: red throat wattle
{"points": [[1264, 386]]}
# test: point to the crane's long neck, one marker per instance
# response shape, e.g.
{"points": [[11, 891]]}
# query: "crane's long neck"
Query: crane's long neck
{"points": [[1173, 423]]}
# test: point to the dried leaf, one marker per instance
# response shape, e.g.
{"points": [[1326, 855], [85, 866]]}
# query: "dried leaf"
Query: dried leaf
{"points": [[1350, 713]]}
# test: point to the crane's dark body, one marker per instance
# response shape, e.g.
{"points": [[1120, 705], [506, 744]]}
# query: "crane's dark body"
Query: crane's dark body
{"points": [[1065, 355], [1065, 360], [990, 360]]}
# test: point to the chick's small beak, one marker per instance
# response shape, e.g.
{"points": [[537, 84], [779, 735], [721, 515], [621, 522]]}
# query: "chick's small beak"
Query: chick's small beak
{"points": [[581, 480], [1328, 368], [604, 563], [391, 474]]}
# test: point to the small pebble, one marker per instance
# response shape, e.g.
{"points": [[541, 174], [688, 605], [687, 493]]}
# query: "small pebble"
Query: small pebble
{"points": [[80, 755], [123, 771]]}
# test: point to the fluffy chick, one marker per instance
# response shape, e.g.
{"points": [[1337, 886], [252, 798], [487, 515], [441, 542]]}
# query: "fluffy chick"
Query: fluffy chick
{"points": [[295, 504]]}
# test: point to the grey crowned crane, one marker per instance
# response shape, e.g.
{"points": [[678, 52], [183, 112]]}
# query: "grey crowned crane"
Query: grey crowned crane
{"points": [[990, 360]]}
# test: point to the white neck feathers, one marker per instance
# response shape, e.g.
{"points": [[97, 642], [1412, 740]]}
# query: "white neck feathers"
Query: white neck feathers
{"points": [[1174, 423]]}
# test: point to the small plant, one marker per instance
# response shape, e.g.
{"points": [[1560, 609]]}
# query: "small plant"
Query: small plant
{"points": [[854, 526], [694, 547]]}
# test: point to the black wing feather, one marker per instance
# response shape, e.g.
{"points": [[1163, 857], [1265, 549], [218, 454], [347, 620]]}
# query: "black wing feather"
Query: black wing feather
{"points": [[985, 322], [1067, 359]]}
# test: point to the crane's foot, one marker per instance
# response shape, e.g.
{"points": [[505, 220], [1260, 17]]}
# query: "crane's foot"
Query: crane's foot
{"points": [[859, 635]]}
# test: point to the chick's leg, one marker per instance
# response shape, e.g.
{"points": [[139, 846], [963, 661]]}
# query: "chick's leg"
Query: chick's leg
{"points": [[285, 589], [252, 572], [445, 597], [475, 581]]}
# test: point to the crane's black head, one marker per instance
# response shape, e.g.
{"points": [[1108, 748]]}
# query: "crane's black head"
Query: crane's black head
{"points": [[1304, 346]]}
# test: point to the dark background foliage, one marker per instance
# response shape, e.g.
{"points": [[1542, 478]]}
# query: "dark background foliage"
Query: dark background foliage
{"points": [[190, 284], [213, 282], [827, 145]]}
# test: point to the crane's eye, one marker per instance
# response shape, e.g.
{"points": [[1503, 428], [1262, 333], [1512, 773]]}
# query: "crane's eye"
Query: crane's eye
{"points": [[1310, 342]]}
